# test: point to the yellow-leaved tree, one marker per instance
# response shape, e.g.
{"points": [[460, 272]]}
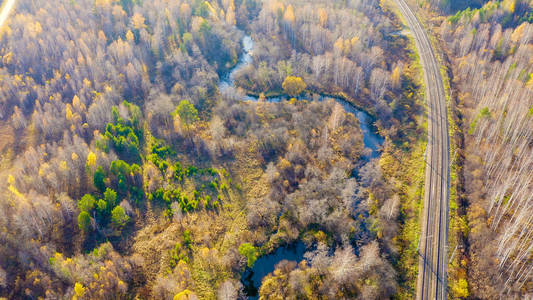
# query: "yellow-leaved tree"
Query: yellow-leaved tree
{"points": [[185, 295], [138, 21], [79, 290], [294, 85], [288, 16], [129, 36], [395, 77], [323, 15], [91, 162]]}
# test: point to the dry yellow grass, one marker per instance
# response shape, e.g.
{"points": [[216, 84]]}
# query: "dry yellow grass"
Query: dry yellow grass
{"points": [[211, 231]]}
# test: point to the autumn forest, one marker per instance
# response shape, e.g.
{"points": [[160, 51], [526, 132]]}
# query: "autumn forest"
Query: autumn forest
{"points": [[259, 149]]}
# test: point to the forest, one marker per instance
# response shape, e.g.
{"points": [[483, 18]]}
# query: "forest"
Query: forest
{"points": [[490, 48], [147, 153], [127, 171]]}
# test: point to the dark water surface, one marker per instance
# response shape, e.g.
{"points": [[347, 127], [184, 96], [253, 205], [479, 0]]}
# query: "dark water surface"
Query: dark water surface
{"points": [[251, 278]]}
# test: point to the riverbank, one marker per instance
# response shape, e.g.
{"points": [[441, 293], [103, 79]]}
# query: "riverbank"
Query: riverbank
{"points": [[279, 94]]}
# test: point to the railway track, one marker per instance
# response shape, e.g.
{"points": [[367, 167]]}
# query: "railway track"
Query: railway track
{"points": [[431, 282]]}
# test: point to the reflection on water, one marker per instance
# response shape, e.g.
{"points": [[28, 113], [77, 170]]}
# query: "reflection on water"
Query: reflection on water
{"points": [[252, 278]]}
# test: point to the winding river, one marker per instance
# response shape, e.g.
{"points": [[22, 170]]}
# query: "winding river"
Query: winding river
{"points": [[252, 278]]}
